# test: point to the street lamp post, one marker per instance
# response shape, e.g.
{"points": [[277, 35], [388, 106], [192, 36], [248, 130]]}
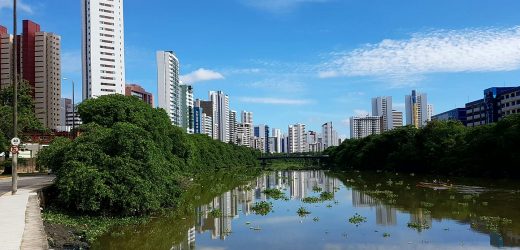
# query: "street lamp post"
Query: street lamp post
{"points": [[14, 184]]}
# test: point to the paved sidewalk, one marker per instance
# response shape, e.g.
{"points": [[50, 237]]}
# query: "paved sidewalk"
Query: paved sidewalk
{"points": [[21, 213]]}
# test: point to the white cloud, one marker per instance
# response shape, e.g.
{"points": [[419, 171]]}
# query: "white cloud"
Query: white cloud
{"points": [[279, 6], [201, 75], [270, 100], [8, 4], [440, 51]]}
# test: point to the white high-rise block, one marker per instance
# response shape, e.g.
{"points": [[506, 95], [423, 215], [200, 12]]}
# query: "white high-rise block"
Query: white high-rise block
{"points": [[168, 85], [103, 48], [382, 106]]}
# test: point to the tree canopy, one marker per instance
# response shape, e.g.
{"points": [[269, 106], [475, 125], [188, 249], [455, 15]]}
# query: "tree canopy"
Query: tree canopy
{"points": [[442, 147]]}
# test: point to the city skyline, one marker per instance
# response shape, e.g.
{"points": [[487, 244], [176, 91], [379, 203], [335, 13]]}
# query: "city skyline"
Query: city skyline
{"points": [[262, 72]]}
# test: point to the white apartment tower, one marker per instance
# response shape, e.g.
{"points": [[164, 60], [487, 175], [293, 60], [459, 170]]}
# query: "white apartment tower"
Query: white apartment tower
{"points": [[382, 106], [361, 127], [430, 112], [168, 86], [297, 139], [398, 118], [103, 48], [416, 106], [220, 103]]}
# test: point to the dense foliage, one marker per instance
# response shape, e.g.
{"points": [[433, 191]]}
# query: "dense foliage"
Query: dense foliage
{"points": [[129, 159], [446, 148]]}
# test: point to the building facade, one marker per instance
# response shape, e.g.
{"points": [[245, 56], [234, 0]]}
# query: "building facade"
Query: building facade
{"points": [[458, 114], [297, 139], [139, 92], [244, 135], [397, 117], [382, 106], [262, 131], [186, 117], [103, 48], [220, 103], [168, 85], [497, 103], [6, 58], [329, 136], [233, 127], [416, 106], [361, 127]]}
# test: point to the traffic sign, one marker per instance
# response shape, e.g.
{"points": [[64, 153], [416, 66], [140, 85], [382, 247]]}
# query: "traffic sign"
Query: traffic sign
{"points": [[16, 141], [15, 150]]}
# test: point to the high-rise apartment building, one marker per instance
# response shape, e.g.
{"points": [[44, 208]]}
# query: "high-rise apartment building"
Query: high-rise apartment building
{"points": [[39, 64], [68, 117], [297, 139], [220, 103], [103, 48], [361, 127], [244, 135], [382, 106], [186, 98], [168, 85], [416, 106], [262, 131], [397, 119], [6, 57], [276, 145], [139, 92]]}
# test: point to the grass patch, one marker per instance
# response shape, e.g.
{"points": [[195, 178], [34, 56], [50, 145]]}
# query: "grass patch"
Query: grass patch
{"points": [[90, 226]]}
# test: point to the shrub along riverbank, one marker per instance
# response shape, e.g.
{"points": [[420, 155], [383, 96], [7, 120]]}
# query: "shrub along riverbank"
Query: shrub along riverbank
{"points": [[444, 148], [129, 159]]}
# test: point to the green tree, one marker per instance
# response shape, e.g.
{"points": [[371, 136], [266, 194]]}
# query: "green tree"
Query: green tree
{"points": [[27, 120]]}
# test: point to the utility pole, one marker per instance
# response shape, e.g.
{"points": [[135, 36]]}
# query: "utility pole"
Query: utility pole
{"points": [[14, 186], [73, 112]]}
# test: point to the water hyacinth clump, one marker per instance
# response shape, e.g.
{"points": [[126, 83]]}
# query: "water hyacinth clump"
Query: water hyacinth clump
{"points": [[302, 212], [357, 219], [274, 193], [262, 208]]}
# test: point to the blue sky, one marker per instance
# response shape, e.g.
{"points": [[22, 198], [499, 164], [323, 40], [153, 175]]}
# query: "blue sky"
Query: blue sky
{"points": [[308, 61]]}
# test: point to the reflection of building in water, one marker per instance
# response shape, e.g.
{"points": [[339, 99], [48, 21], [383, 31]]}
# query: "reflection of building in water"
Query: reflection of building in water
{"points": [[299, 183], [386, 215], [360, 199], [188, 243], [418, 216]]}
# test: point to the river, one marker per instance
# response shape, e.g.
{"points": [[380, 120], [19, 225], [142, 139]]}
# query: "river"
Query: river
{"points": [[346, 210]]}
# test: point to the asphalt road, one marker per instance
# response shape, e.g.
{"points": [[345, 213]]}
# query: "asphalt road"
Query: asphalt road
{"points": [[24, 182]]}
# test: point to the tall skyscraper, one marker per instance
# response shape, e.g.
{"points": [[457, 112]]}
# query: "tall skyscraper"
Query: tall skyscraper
{"points": [[244, 134], [168, 85], [220, 103], [139, 92], [262, 131], [276, 136], [186, 99], [416, 106], [103, 48], [397, 119], [39, 63], [382, 106], [297, 139], [361, 127]]}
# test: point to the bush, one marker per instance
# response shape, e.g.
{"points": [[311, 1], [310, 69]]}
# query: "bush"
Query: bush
{"points": [[130, 160]]}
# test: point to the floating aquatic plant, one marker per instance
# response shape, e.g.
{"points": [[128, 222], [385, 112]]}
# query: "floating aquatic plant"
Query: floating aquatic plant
{"points": [[357, 219]]}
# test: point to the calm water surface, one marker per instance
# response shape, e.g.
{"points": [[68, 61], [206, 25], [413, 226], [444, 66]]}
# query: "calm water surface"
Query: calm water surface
{"points": [[367, 211]]}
